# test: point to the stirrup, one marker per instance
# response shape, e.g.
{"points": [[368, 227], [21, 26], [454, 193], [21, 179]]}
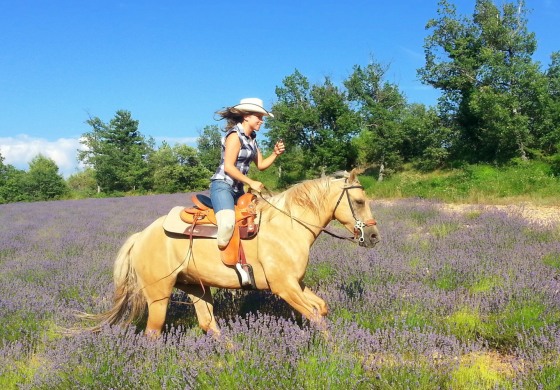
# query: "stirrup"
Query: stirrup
{"points": [[244, 275], [247, 276]]}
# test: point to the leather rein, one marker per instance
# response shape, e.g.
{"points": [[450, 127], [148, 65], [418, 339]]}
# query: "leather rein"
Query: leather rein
{"points": [[358, 226]]}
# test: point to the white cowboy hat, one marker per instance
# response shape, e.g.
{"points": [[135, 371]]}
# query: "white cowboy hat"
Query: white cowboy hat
{"points": [[252, 105]]}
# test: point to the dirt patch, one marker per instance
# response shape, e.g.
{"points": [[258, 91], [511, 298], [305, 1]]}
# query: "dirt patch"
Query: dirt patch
{"points": [[537, 214]]}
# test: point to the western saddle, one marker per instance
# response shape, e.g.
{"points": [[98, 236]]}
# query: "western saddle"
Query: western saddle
{"points": [[246, 228]]}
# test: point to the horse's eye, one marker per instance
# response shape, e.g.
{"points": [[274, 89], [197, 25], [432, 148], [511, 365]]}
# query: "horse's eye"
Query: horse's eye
{"points": [[360, 202]]}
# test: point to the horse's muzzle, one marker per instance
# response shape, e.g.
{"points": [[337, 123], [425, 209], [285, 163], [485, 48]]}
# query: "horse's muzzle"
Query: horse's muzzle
{"points": [[371, 237]]}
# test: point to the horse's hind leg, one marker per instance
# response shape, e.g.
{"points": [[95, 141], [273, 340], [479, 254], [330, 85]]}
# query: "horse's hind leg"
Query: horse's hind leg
{"points": [[157, 295], [201, 297], [156, 316]]}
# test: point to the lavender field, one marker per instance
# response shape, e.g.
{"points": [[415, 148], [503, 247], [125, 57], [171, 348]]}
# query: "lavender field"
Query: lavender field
{"points": [[445, 301]]}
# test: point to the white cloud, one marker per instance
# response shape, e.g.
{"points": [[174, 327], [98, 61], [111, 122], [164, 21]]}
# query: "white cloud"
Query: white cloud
{"points": [[21, 149]]}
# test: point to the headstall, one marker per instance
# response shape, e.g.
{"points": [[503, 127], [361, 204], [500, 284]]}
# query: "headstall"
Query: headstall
{"points": [[359, 226]]}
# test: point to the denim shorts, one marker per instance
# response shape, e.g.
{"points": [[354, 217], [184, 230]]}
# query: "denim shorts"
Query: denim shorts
{"points": [[222, 195]]}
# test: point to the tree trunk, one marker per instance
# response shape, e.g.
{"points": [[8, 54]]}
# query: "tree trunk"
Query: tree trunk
{"points": [[522, 152], [381, 172]]}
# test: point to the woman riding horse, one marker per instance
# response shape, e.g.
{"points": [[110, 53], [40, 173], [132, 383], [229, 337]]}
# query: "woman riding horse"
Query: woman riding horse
{"points": [[153, 262]]}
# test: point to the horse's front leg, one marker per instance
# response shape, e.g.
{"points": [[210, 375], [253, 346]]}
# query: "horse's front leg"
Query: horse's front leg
{"points": [[203, 303], [318, 303], [289, 289]]}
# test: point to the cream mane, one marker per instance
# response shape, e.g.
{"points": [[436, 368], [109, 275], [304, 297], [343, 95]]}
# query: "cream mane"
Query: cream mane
{"points": [[310, 195]]}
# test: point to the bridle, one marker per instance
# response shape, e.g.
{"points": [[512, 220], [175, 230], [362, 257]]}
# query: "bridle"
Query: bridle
{"points": [[359, 226]]}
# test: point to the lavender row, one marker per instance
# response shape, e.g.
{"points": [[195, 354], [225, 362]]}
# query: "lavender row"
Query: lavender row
{"points": [[443, 300]]}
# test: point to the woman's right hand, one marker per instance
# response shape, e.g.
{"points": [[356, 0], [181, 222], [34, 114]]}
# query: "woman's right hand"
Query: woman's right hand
{"points": [[256, 185]]}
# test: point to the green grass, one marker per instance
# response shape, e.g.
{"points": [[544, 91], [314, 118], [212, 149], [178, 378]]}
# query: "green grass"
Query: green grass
{"points": [[527, 182], [17, 372], [446, 279], [421, 217], [552, 260], [480, 372], [503, 328], [484, 284], [396, 376], [548, 376], [441, 230], [20, 323], [465, 324], [319, 273], [542, 236], [317, 372]]}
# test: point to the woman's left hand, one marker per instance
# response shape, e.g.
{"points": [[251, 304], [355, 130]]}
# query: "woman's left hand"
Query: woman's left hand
{"points": [[279, 148]]}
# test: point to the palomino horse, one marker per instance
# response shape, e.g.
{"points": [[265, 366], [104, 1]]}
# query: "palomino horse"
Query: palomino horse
{"points": [[153, 262]]}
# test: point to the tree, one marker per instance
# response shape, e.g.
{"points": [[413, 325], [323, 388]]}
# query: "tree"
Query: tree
{"points": [[426, 139], [209, 145], [10, 183], [338, 124], [43, 181], [178, 169], [490, 85], [317, 126], [381, 106], [550, 139], [293, 118], [118, 153], [83, 183], [3, 171], [550, 130], [12, 188]]}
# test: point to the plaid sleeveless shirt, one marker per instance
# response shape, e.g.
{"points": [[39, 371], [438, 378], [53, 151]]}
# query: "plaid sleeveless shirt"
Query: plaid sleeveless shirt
{"points": [[247, 154]]}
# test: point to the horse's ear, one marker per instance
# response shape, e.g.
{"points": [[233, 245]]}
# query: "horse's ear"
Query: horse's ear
{"points": [[353, 177], [341, 175]]}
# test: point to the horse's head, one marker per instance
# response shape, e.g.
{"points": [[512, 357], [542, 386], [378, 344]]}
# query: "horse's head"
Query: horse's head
{"points": [[352, 209]]}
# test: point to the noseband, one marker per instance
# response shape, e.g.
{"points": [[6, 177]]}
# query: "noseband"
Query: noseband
{"points": [[359, 226]]}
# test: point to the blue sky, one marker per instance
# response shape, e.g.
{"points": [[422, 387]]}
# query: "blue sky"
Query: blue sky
{"points": [[173, 63]]}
